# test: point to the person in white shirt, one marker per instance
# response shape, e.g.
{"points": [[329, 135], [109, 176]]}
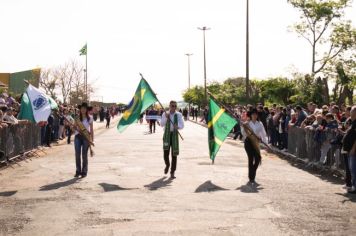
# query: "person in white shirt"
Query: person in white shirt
{"points": [[10, 118], [81, 144], [172, 122], [253, 152]]}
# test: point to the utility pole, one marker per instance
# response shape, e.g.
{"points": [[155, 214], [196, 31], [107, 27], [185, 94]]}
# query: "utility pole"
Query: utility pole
{"points": [[247, 52], [204, 29]]}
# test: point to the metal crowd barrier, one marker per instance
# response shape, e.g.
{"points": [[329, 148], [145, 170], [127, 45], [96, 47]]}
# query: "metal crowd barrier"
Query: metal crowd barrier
{"points": [[307, 144], [15, 140]]}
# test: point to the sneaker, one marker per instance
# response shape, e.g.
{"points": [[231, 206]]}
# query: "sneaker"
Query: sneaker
{"points": [[172, 176], [347, 187], [76, 175], [352, 190]]}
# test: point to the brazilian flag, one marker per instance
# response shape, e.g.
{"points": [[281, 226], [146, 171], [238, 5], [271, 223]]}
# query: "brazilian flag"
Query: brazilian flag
{"points": [[84, 50], [143, 99], [220, 124]]}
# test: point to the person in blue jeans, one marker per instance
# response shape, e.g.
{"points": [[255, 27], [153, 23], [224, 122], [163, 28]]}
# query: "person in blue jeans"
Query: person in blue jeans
{"points": [[349, 146], [81, 144]]}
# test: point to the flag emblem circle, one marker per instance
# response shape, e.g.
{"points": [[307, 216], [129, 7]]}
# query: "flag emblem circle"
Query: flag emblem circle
{"points": [[39, 102]]}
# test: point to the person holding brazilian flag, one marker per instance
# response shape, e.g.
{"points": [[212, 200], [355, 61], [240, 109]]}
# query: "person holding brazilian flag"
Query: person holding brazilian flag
{"points": [[144, 98]]}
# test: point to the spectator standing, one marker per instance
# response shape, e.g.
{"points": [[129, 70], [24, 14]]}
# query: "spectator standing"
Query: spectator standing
{"points": [[49, 128], [301, 116], [349, 146]]}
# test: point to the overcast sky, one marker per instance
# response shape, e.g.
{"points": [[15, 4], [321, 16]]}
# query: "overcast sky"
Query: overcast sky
{"points": [[151, 36]]}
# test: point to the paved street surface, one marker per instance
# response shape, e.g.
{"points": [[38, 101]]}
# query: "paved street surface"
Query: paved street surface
{"points": [[126, 192]]}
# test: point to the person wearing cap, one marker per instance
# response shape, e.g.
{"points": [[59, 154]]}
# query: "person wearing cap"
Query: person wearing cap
{"points": [[81, 144], [254, 156]]}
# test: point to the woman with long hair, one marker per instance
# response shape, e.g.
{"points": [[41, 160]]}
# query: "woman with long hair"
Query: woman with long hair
{"points": [[81, 144]]}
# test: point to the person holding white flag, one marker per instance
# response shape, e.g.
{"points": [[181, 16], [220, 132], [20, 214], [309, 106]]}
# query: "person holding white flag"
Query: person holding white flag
{"points": [[36, 106]]}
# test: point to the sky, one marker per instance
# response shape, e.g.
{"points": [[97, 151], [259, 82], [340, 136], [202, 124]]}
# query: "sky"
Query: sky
{"points": [[151, 37]]}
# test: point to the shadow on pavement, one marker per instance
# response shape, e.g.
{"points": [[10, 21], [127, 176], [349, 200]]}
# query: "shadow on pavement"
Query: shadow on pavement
{"points": [[248, 188], [59, 184], [7, 194], [208, 186], [113, 187], [348, 197], [160, 183]]}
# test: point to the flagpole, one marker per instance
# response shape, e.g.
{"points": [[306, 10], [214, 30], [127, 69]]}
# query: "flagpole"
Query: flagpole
{"points": [[163, 109]]}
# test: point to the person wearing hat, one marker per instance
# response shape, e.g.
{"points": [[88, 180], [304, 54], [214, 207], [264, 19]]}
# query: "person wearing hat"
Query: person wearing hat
{"points": [[81, 144], [253, 152]]}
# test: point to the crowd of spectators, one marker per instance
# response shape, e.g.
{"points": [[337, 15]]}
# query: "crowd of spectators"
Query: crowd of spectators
{"points": [[57, 127], [328, 123]]}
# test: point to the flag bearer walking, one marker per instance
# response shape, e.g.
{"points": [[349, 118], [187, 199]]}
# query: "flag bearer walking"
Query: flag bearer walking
{"points": [[172, 122]]}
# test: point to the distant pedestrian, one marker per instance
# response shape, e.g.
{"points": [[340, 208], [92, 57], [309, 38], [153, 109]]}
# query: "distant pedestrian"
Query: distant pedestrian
{"points": [[108, 118]]}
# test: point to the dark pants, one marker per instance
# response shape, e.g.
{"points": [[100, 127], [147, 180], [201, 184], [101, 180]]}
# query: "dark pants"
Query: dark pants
{"points": [[153, 124], [174, 158], [107, 122], [347, 170], [69, 134], [81, 146], [48, 135], [254, 159]]}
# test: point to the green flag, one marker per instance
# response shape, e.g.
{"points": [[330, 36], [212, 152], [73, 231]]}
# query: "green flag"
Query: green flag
{"points": [[143, 99], [83, 51], [220, 124]]}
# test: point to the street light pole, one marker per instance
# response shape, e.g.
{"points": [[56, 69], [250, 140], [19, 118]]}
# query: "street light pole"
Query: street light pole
{"points": [[204, 29], [247, 52], [188, 55]]}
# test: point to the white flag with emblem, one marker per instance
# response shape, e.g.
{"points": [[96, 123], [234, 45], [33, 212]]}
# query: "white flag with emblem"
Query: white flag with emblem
{"points": [[41, 107]]}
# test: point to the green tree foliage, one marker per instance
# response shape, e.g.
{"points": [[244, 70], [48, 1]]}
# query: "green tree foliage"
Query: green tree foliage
{"points": [[232, 91]]}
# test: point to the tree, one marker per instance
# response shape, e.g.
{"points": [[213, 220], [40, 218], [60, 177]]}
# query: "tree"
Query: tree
{"points": [[277, 90], [49, 82], [322, 27], [330, 37]]}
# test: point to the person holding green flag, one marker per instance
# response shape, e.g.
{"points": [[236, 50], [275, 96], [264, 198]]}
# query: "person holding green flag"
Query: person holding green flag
{"points": [[172, 122], [253, 132]]}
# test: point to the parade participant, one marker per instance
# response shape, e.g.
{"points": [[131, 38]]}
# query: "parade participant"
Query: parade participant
{"points": [[81, 144], [252, 143], [172, 122], [152, 120], [108, 118]]}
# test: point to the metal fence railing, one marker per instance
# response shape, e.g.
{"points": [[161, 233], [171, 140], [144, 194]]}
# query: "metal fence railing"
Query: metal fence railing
{"points": [[313, 146], [18, 139]]}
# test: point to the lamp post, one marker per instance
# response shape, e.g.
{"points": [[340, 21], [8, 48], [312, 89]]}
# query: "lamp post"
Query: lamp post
{"points": [[188, 55], [204, 29]]}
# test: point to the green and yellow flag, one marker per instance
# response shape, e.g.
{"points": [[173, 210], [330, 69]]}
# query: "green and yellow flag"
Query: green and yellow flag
{"points": [[143, 99], [83, 51], [220, 124]]}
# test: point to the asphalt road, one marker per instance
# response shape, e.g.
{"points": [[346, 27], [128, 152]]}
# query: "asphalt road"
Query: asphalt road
{"points": [[126, 192]]}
